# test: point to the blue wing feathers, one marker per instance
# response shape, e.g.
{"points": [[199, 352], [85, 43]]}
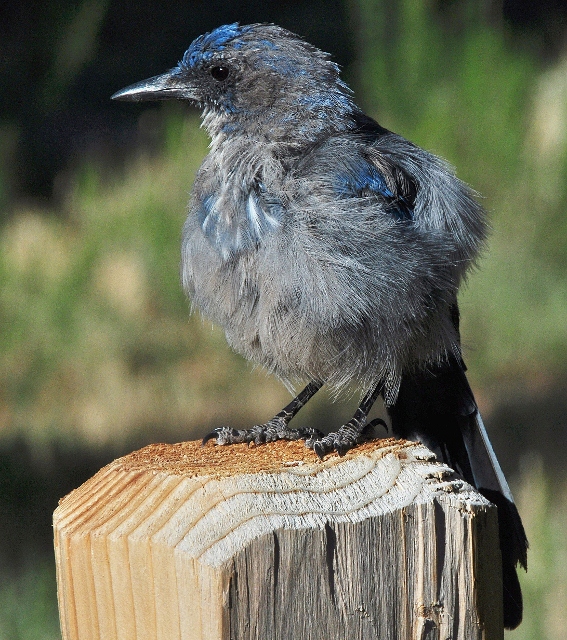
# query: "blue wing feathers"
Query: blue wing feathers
{"points": [[363, 179]]}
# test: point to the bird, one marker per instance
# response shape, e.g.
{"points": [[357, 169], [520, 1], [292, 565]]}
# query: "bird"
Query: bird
{"points": [[331, 251]]}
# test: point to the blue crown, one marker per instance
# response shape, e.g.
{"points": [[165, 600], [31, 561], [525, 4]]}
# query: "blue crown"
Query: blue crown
{"points": [[205, 46]]}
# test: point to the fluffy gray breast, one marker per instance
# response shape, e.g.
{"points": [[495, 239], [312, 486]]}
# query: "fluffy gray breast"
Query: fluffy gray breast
{"points": [[323, 272]]}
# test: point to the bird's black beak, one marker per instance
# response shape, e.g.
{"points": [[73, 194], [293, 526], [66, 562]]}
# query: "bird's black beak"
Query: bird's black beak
{"points": [[168, 86]]}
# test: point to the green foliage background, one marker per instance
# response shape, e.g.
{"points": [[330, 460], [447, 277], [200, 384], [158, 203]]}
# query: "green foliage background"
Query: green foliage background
{"points": [[97, 348]]}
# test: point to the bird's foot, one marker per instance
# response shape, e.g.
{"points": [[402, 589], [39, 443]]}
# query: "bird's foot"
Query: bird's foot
{"points": [[345, 438], [275, 429]]}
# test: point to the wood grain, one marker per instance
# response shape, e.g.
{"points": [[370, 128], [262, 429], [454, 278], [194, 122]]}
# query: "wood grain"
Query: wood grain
{"points": [[182, 542]]}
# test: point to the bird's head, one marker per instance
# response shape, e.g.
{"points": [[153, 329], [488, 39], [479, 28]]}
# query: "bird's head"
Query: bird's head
{"points": [[257, 75]]}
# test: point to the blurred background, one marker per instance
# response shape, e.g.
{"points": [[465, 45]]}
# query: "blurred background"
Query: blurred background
{"points": [[98, 354]]}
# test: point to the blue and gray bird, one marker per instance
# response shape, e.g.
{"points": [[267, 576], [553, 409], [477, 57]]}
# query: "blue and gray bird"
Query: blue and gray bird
{"points": [[331, 251]]}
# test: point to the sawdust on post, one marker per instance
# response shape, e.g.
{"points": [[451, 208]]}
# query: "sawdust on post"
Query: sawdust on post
{"points": [[190, 459]]}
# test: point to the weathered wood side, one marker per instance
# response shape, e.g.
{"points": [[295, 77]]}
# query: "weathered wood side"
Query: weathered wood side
{"points": [[268, 543]]}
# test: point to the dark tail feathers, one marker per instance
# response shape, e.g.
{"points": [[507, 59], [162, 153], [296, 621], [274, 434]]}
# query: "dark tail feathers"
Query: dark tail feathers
{"points": [[437, 407]]}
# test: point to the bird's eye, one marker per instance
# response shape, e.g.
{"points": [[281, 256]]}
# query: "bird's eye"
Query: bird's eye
{"points": [[220, 73]]}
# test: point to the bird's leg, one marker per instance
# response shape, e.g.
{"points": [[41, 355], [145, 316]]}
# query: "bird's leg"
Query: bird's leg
{"points": [[350, 434], [275, 429]]}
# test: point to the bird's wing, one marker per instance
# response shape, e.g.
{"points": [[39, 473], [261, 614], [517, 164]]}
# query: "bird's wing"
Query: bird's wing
{"points": [[366, 177], [352, 166]]}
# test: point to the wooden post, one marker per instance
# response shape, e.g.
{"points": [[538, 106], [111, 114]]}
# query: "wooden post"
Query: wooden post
{"points": [[183, 542]]}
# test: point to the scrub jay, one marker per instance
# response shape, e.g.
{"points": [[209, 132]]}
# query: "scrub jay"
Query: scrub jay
{"points": [[331, 251]]}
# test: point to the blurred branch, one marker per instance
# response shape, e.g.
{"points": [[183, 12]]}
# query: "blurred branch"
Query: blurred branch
{"points": [[75, 46]]}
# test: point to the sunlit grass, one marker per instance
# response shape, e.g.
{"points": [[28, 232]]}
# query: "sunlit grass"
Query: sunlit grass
{"points": [[28, 604], [543, 504]]}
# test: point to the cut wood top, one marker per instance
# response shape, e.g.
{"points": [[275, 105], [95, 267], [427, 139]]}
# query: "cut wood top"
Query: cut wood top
{"points": [[209, 502], [191, 459]]}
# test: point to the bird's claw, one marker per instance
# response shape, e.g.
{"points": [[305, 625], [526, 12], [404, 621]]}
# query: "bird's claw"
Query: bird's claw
{"points": [[226, 435], [344, 439], [275, 429]]}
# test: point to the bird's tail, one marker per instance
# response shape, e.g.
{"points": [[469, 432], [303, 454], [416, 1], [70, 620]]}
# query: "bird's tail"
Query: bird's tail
{"points": [[437, 407]]}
